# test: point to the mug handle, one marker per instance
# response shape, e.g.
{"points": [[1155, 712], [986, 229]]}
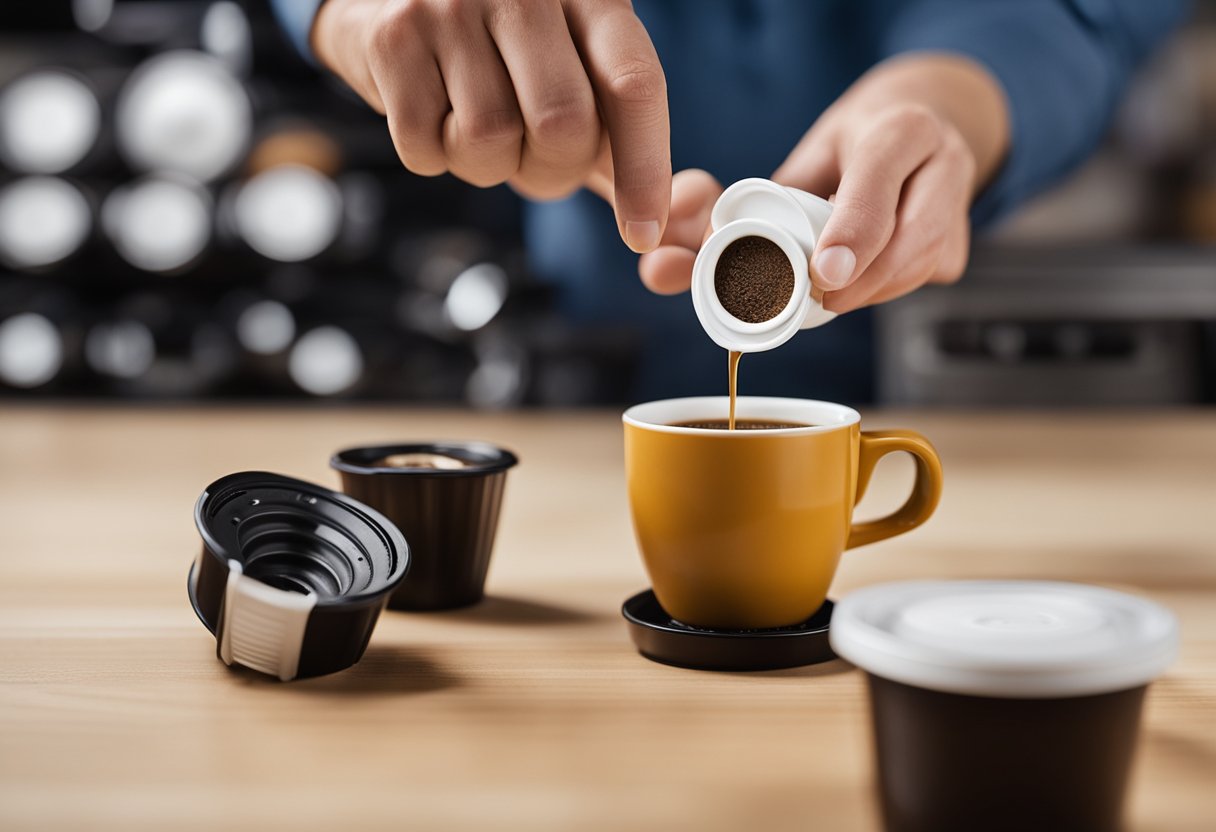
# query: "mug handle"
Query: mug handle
{"points": [[926, 491]]}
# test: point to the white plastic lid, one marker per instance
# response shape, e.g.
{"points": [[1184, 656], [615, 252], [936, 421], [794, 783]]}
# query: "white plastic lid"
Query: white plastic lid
{"points": [[762, 199], [1016, 639]]}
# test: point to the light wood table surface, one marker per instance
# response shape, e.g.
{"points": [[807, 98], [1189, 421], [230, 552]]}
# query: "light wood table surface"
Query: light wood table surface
{"points": [[531, 711]]}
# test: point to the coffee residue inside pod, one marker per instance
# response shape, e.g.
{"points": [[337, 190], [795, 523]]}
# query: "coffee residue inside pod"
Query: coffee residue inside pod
{"points": [[753, 279], [421, 460]]}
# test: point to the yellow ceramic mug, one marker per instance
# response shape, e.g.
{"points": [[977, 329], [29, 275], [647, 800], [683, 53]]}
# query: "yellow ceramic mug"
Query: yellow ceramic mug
{"points": [[744, 529]]}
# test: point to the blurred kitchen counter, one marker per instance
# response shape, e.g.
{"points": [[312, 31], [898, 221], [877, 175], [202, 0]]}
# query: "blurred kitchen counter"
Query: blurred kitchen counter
{"points": [[532, 710]]}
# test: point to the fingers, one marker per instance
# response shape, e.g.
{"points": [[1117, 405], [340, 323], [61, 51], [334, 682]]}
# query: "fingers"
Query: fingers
{"points": [[483, 134], [956, 252], [668, 269], [516, 90], [866, 200], [410, 86], [930, 237], [561, 126], [632, 93], [910, 275]]}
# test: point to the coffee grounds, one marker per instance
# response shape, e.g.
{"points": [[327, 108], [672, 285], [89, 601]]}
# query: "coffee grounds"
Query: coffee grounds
{"points": [[753, 279], [421, 460]]}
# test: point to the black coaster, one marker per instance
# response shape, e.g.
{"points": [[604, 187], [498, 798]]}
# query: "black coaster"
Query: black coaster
{"points": [[661, 638]]}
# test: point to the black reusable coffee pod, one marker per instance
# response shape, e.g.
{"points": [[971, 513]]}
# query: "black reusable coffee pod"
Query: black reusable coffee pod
{"points": [[661, 638], [292, 576], [447, 496]]}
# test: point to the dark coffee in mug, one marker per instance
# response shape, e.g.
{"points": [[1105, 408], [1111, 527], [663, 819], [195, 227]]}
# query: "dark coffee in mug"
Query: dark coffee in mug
{"points": [[740, 424]]}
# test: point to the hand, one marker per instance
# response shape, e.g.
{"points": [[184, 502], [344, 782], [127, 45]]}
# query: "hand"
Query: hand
{"points": [[547, 95], [903, 151]]}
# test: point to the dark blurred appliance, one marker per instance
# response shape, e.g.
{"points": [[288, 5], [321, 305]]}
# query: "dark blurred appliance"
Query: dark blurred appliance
{"points": [[1082, 326]]}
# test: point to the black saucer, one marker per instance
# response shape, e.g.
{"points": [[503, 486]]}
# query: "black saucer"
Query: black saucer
{"points": [[661, 638]]}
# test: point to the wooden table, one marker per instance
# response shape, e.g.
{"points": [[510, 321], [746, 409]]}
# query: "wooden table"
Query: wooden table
{"points": [[531, 711]]}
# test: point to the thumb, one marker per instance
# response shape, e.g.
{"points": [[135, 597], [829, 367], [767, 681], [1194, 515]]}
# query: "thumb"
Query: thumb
{"points": [[814, 166]]}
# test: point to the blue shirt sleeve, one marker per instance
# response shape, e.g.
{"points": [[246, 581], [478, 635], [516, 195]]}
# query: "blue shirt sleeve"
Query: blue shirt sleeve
{"points": [[1062, 64], [295, 17]]}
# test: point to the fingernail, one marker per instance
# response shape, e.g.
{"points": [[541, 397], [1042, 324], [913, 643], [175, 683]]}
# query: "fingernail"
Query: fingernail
{"points": [[835, 265], [642, 236]]}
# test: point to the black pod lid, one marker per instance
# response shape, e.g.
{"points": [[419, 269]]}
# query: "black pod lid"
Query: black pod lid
{"points": [[292, 576]]}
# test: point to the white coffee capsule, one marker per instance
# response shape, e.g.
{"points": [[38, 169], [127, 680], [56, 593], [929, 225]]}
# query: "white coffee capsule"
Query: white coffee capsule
{"points": [[790, 219]]}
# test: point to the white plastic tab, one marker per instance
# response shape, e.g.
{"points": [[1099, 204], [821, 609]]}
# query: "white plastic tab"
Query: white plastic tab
{"points": [[262, 627]]}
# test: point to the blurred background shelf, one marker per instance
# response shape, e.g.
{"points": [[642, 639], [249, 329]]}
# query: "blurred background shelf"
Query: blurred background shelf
{"points": [[188, 210], [1057, 325]]}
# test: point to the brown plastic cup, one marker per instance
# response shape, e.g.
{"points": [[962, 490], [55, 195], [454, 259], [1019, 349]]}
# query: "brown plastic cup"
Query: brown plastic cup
{"points": [[446, 498], [947, 761], [1003, 705]]}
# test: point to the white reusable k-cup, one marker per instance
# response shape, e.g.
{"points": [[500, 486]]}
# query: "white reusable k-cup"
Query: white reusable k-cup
{"points": [[791, 219]]}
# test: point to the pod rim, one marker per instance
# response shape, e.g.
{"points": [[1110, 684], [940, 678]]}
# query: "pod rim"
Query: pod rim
{"points": [[483, 458], [242, 482]]}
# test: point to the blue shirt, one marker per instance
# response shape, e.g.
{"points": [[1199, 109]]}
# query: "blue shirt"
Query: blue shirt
{"points": [[746, 78]]}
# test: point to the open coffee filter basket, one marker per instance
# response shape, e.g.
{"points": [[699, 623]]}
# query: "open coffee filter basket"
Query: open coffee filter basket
{"points": [[291, 577], [790, 219]]}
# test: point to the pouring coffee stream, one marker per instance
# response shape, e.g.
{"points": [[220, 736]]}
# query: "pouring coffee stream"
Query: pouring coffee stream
{"points": [[733, 383]]}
